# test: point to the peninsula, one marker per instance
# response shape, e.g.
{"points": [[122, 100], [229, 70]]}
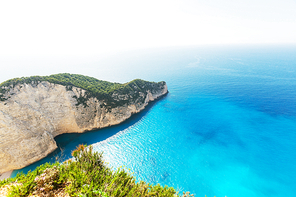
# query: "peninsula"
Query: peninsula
{"points": [[34, 110]]}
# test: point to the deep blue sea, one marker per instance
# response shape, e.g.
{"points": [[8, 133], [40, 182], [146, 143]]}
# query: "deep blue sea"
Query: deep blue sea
{"points": [[226, 128]]}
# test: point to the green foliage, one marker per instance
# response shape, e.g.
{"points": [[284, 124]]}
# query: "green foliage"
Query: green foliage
{"points": [[5, 182], [27, 180], [85, 175], [46, 182], [102, 90]]}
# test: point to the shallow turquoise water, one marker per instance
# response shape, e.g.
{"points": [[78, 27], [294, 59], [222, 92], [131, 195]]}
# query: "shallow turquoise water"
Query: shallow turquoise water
{"points": [[227, 127]]}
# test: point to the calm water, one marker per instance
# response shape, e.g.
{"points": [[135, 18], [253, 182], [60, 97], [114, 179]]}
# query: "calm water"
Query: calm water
{"points": [[227, 127]]}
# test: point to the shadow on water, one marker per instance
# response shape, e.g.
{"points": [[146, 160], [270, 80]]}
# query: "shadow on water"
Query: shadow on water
{"points": [[69, 141]]}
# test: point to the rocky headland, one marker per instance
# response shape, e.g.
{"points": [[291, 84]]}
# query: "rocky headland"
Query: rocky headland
{"points": [[34, 110]]}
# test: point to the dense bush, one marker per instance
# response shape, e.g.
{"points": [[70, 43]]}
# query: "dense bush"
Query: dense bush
{"points": [[85, 175], [102, 90]]}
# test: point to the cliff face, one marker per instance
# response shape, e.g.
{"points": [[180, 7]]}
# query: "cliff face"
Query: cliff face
{"points": [[31, 115]]}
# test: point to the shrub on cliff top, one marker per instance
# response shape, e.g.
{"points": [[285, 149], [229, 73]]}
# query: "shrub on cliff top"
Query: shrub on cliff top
{"points": [[84, 175], [100, 89]]}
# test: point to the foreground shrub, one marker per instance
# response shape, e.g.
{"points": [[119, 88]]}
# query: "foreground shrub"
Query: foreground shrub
{"points": [[85, 175]]}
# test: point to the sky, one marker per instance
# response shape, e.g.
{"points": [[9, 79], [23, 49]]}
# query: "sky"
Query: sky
{"points": [[92, 28]]}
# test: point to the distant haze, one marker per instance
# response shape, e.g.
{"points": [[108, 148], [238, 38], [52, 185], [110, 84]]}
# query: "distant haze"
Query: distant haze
{"points": [[36, 36], [84, 27]]}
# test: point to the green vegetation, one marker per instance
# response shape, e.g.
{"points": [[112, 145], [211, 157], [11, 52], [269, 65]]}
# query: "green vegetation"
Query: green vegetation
{"points": [[102, 90], [85, 175]]}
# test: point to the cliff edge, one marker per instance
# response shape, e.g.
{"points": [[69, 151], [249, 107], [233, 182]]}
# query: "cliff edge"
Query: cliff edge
{"points": [[36, 109]]}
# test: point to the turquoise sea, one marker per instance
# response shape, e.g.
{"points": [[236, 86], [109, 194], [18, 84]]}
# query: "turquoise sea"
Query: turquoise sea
{"points": [[226, 128]]}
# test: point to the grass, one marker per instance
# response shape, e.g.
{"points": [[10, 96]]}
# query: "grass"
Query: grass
{"points": [[86, 175]]}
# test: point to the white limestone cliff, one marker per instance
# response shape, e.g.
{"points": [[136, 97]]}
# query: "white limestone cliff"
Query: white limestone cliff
{"points": [[33, 115]]}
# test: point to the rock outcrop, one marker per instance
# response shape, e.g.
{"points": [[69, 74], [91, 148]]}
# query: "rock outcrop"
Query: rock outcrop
{"points": [[32, 114]]}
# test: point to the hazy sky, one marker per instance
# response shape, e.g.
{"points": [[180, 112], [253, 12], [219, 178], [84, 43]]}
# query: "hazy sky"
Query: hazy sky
{"points": [[91, 27], [48, 37]]}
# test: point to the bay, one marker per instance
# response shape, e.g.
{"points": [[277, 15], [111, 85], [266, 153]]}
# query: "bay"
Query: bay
{"points": [[226, 128]]}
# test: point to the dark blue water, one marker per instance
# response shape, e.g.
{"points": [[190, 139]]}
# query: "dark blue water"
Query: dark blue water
{"points": [[227, 127]]}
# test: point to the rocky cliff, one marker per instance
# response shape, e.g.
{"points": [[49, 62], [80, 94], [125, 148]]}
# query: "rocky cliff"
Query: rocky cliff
{"points": [[32, 114]]}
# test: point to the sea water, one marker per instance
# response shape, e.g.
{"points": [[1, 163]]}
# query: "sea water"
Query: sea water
{"points": [[226, 128]]}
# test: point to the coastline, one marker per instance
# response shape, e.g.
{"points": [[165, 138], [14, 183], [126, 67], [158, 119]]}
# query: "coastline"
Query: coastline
{"points": [[5, 175], [76, 122], [149, 105]]}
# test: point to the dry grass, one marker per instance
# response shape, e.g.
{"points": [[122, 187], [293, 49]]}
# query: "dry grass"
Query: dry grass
{"points": [[4, 191], [57, 193]]}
